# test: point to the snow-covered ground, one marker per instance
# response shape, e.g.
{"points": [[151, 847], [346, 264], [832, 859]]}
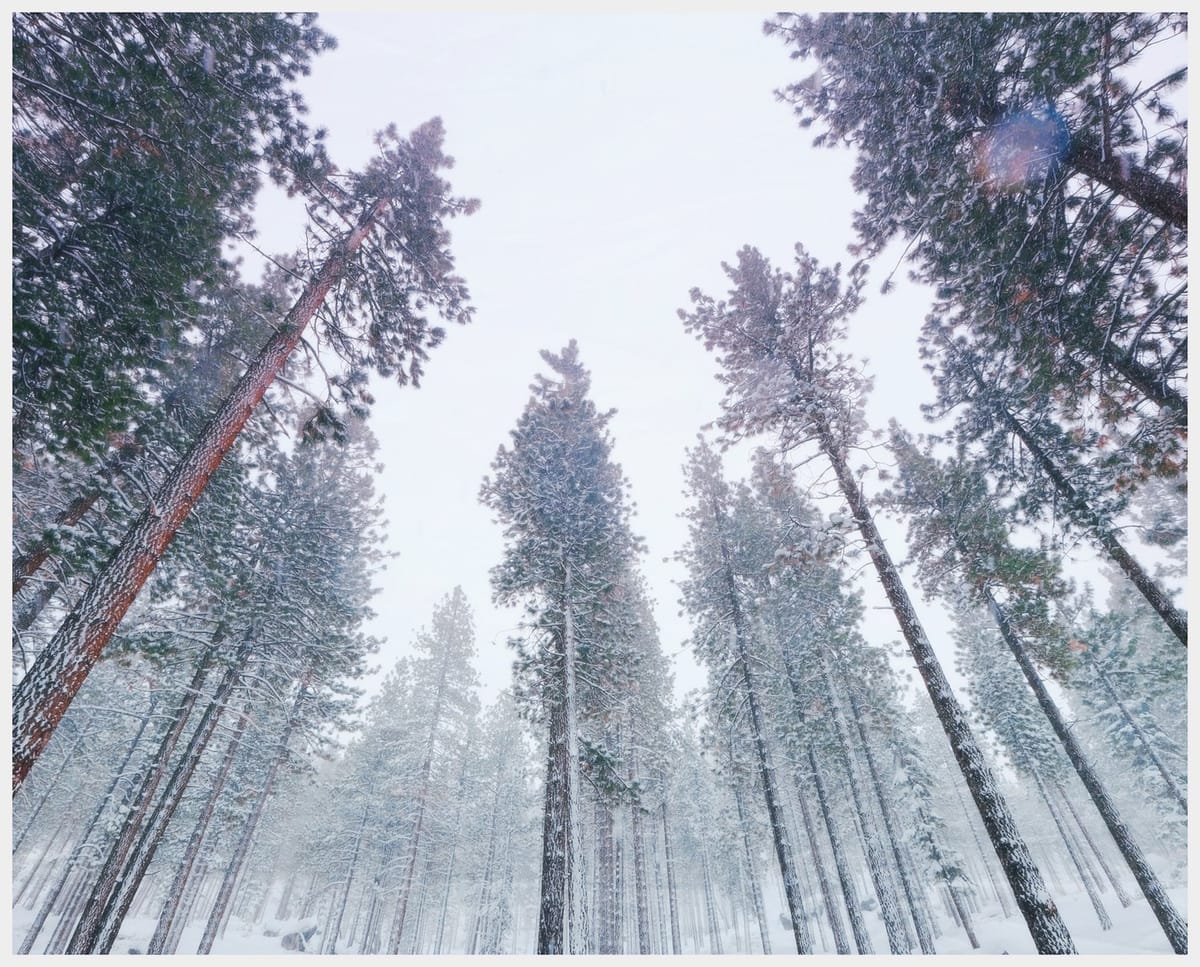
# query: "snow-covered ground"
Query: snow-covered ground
{"points": [[1134, 931]]}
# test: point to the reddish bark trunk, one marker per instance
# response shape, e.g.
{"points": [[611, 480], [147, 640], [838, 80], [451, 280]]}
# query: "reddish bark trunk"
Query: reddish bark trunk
{"points": [[44, 695]]}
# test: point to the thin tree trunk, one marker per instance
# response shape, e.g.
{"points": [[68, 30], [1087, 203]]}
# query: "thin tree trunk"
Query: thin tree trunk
{"points": [[1050, 934], [862, 940], [183, 872], [98, 935], [84, 936], [462, 794], [755, 891], [835, 920], [964, 918], [1140, 734], [1089, 521], [660, 902], [1087, 836], [25, 565], [710, 906], [1069, 842], [889, 823], [68, 915], [51, 788], [73, 862], [672, 895], [216, 919], [899, 938], [331, 940], [37, 864], [783, 850], [43, 696], [833, 914], [997, 888], [606, 900], [1172, 923]]}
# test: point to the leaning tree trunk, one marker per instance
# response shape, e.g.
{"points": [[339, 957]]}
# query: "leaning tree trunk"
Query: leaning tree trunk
{"points": [[1080, 870], [26, 564], [220, 909], [899, 938], [1084, 517], [46, 692], [73, 861], [890, 825], [1172, 788], [101, 937], [862, 940], [1173, 925], [829, 896], [170, 909], [1087, 838], [86, 931], [756, 898], [835, 919], [1050, 934]]}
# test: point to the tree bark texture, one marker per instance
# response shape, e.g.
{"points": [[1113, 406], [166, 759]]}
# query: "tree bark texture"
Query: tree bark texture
{"points": [[1049, 932], [1172, 923], [43, 696]]}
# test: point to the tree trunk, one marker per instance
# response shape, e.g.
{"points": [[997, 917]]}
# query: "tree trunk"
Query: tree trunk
{"points": [[183, 872], [1082, 515], [831, 909], [783, 849], [1050, 934], [672, 896], [606, 900], [51, 788], [574, 884], [964, 918], [1149, 192], [552, 909], [756, 900], [220, 911], [86, 931], [1069, 843], [1140, 734], [43, 696], [1173, 925], [25, 565], [331, 940], [98, 936], [890, 825], [710, 906], [862, 940], [73, 862], [1087, 836], [828, 895], [899, 939]]}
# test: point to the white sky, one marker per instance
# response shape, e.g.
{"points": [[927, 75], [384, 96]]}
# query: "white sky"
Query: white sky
{"points": [[619, 159]]}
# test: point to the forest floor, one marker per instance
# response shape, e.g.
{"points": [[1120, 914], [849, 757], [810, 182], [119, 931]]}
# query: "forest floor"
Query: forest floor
{"points": [[1134, 931]]}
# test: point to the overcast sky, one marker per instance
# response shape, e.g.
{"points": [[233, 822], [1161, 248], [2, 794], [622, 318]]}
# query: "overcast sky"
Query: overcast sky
{"points": [[619, 159]]}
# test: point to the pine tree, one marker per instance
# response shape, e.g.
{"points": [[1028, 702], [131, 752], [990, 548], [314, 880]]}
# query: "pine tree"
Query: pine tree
{"points": [[778, 338], [401, 194], [957, 528], [564, 508]]}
